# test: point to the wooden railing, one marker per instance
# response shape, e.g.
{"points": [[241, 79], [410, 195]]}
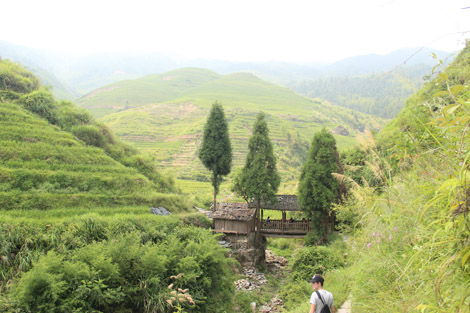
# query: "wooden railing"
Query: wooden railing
{"points": [[285, 227]]}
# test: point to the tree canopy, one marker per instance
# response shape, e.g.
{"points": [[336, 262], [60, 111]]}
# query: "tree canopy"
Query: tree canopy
{"points": [[216, 150], [318, 189], [259, 178]]}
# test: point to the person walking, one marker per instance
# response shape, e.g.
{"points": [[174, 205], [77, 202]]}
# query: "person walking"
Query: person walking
{"points": [[320, 297]]}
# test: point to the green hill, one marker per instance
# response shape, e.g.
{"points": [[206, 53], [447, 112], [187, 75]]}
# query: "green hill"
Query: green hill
{"points": [[148, 89], [53, 154], [165, 116]]}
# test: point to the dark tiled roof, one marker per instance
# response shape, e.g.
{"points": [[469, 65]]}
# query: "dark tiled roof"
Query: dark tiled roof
{"points": [[284, 203], [233, 211]]}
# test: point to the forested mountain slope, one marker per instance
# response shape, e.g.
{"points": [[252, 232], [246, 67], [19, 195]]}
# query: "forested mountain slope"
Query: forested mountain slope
{"points": [[381, 94]]}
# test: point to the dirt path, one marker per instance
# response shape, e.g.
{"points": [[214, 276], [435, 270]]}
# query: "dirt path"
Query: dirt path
{"points": [[346, 308]]}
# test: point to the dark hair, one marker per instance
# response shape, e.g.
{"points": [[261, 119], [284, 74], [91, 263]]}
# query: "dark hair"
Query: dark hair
{"points": [[317, 279]]}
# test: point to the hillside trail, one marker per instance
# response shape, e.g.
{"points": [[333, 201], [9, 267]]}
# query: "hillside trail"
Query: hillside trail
{"points": [[345, 308]]}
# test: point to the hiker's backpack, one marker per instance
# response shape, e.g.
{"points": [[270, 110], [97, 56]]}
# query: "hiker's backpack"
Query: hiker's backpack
{"points": [[325, 308]]}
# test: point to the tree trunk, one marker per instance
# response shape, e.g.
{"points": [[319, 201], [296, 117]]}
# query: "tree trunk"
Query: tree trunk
{"points": [[215, 201], [324, 225], [215, 184], [258, 223]]}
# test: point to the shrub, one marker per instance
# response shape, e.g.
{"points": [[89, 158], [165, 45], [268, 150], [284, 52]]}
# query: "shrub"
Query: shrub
{"points": [[90, 135], [41, 102], [198, 220], [8, 95], [124, 273], [15, 78], [243, 299], [69, 115], [315, 260]]}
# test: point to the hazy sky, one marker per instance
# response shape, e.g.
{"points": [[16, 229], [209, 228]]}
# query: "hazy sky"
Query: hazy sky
{"points": [[239, 30]]}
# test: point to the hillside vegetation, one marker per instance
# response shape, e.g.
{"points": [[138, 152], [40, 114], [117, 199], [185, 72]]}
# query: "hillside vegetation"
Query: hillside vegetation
{"points": [[164, 115], [381, 94], [410, 238], [54, 154]]}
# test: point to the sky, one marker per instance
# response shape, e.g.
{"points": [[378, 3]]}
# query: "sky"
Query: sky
{"points": [[297, 31]]}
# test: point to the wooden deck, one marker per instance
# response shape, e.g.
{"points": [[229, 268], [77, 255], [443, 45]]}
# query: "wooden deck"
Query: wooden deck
{"points": [[286, 228]]}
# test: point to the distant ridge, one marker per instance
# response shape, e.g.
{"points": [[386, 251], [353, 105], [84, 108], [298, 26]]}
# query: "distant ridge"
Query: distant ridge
{"points": [[85, 74]]}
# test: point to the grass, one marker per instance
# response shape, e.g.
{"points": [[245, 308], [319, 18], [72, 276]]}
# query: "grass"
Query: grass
{"points": [[47, 216], [44, 167], [166, 115]]}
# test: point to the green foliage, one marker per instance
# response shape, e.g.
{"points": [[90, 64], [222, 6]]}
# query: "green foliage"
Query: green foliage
{"points": [[315, 260], [16, 79], [198, 220], [121, 263], [318, 188], [259, 178], [69, 116], [45, 166], [381, 94], [411, 251], [90, 135], [243, 300], [42, 103], [216, 150], [329, 261], [167, 112]]}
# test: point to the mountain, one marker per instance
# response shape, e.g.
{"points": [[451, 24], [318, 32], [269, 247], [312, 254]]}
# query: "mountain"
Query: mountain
{"points": [[44, 65], [373, 63], [148, 89], [432, 99], [164, 115], [83, 74], [379, 94], [54, 155]]}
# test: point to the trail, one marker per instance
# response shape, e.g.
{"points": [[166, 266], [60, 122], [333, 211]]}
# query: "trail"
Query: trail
{"points": [[345, 308]]}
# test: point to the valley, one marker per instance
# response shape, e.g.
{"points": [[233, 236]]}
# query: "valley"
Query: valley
{"points": [[77, 180]]}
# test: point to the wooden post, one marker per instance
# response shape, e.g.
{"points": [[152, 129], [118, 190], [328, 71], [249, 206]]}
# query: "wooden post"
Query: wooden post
{"points": [[283, 221]]}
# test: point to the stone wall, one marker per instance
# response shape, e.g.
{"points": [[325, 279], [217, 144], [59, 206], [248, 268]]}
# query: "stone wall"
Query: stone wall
{"points": [[245, 251]]}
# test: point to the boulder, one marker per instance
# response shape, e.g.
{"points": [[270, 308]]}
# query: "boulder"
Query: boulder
{"points": [[159, 211], [340, 130]]}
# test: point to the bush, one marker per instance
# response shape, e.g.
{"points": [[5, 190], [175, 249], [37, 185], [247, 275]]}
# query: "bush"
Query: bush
{"points": [[146, 165], [15, 78], [243, 299], [90, 135], [69, 116], [315, 260], [198, 220], [8, 95], [90, 267], [41, 102]]}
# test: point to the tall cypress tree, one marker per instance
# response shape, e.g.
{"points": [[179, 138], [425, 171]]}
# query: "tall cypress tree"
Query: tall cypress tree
{"points": [[318, 189], [216, 150], [259, 178]]}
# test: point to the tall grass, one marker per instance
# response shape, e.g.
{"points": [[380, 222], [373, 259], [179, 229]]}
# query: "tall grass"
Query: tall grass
{"points": [[410, 242]]}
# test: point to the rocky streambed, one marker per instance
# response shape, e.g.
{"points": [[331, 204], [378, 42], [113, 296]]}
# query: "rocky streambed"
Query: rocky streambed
{"points": [[254, 280]]}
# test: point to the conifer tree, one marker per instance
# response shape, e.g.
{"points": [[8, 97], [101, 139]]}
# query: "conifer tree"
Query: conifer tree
{"points": [[318, 188], [216, 150], [259, 178]]}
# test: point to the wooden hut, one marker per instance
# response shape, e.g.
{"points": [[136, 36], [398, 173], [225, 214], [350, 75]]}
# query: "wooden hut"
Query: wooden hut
{"points": [[282, 227], [233, 218]]}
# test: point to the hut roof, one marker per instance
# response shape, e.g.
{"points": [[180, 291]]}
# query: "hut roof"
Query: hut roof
{"points": [[284, 203], [233, 211], [231, 205]]}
